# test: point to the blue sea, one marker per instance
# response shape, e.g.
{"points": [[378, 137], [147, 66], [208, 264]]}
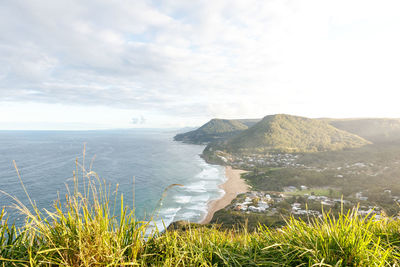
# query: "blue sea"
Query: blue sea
{"points": [[46, 161]]}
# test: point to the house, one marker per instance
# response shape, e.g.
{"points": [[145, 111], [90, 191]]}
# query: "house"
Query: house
{"points": [[263, 205], [296, 206], [324, 198], [254, 209], [289, 188], [327, 203], [338, 200], [240, 207], [312, 198], [300, 212]]}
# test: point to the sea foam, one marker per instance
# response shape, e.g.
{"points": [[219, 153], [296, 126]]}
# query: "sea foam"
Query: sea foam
{"points": [[197, 192]]}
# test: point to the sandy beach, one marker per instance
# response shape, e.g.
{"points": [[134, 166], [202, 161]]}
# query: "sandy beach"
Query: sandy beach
{"points": [[232, 187]]}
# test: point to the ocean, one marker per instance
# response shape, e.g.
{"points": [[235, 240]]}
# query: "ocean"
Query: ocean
{"points": [[46, 161]]}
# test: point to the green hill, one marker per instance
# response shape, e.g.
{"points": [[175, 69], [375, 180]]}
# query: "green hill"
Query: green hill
{"points": [[374, 130], [214, 130], [249, 122], [286, 133]]}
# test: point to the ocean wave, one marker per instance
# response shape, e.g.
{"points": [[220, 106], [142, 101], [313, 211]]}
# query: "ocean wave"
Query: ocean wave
{"points": [[199, 187], [182, 199], [200, 207], [187, 215], [194, 197], [209, 173], [169, 211], [221, 192], [202, 198]]}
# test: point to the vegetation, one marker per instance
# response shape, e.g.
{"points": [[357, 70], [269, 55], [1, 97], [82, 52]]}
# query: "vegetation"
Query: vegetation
{"points": [[249, 122], [380, 170], [229, 219], [214, 130], [86, 234], [85, 230], [366, 175], [374, 130], [346, 241], [82, 231], [286, 133]]}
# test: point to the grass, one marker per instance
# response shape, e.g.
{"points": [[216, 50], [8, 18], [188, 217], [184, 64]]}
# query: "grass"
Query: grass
{"points": [[85, 230], [316, 192], [82, 231]]}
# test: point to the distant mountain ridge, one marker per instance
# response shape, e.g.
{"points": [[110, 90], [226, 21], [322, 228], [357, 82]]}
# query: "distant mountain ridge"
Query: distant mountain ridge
{"points": [[214, 130], [372, 129], [280, 132], [249, 122], [287, 133]]}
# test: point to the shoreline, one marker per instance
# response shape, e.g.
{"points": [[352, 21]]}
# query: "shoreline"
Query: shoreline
{"points": [[233, 186]]}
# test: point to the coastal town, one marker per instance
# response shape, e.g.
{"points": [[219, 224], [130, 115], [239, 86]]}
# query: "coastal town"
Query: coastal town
{"points": [[290, 184], [254, 160], [340, 169], [292, 160], [298, 204]]}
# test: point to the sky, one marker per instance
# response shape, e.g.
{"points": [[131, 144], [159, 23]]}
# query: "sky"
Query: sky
{"points": [[73, 64]]}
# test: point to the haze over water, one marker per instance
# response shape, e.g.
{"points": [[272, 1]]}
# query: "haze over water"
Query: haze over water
{"points": [[46, 160]]}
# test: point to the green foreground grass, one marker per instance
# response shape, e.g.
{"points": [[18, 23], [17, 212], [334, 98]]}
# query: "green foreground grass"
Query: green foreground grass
{"points": [[84, 231]]}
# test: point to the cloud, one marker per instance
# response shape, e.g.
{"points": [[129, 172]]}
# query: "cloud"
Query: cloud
{"points": [[185, 58]]}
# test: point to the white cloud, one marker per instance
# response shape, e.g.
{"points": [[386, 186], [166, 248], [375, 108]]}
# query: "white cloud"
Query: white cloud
{"points": [[187, 61]]}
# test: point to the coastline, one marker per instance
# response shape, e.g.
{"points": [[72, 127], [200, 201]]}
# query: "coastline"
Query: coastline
{"points": [[233, 186]]}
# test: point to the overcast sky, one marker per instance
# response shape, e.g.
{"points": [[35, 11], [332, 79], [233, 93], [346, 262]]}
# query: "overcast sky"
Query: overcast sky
{"points": [[73, 64]]}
